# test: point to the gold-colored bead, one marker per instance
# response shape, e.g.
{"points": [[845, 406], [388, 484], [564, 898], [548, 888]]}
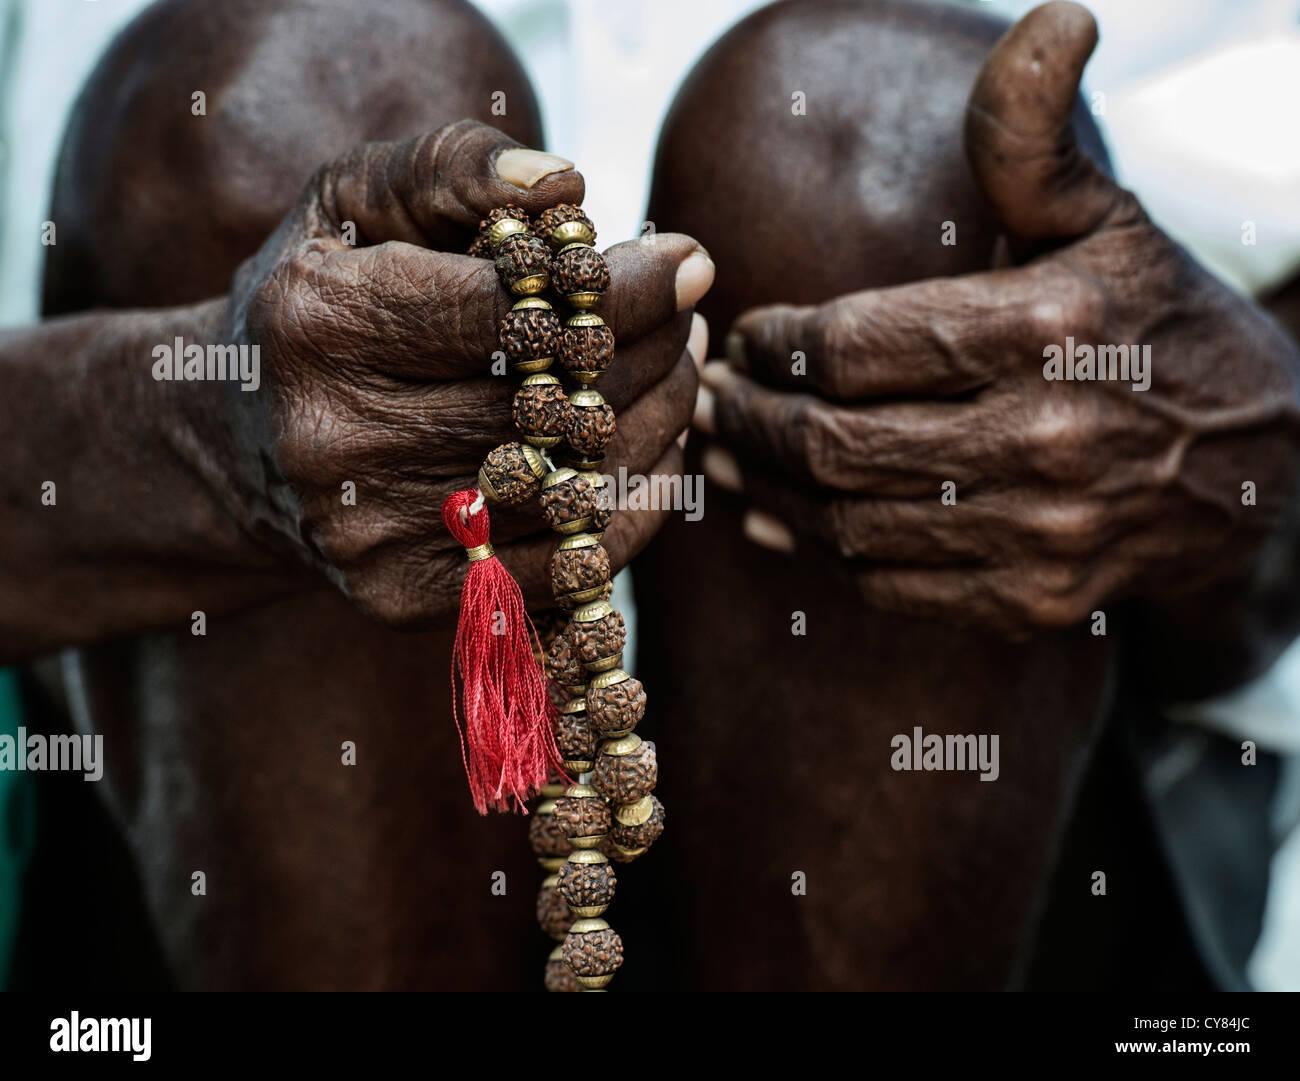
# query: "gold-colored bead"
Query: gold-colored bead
{"points": [[581, 791], [551, 863], [608, 679], [618, 748], [499, 230], [585, 927], [587, 856], [584, 319], [592, 841], [588, 911], [546, 807], [550, 881], [558, 476], [557, 954], [594, 983], [535, 364], [630, 853], [578, 540], [634, 814], [541, 381], [589, 613], [587, 399], [577, 765], [604, 664], [577, 691], [552, 791], [575, 705], [569, 233], [530, 302], [531, 285], [583, 300]]}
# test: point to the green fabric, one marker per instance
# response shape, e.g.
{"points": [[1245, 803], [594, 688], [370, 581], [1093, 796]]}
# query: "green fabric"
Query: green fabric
{"points": [[17, 821]]}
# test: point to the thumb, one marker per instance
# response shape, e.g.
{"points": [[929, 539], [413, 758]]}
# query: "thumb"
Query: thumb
{"points": [[433, 190], [1020, 139]]}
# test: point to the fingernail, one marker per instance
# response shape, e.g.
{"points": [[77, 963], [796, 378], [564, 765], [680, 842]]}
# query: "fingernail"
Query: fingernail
{"points": [[767, 532], [524, 168], [721, 467], [694, 277], [704, 406], [698, 343], [716, 374], [735, 350]]}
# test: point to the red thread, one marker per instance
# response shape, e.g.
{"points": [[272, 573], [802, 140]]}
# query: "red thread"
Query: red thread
{"points": [[507, 742]]}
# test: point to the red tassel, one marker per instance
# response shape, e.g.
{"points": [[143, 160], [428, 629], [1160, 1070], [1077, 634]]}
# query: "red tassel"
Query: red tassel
{"points": [[507, 742]]}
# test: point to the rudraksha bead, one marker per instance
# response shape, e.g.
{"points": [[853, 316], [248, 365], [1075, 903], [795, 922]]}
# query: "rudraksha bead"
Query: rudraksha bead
{"points": [[599, 635], [615, 703], [558, 978], [580, 571], [636, 836], [604, 512], [587, 886], [591, 424], [626, 770], [512, 473], [580, 274], [547, 838], [568, 501], [530, 335], [492, 231], [586, 346], [593, 954], [565, 224], [553, 915], [541, 410], [549, 623], [523, 264], [581, 813], [574, 735], [562, 664]]}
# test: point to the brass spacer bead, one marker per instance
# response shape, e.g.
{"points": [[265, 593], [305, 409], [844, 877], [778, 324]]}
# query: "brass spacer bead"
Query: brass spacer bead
{"points": [[551, 863], [575, 705], [546, 807], [530, 302], [608, 679], [634, 814], [594, 983], [588, 910], [604, 664], [591, 841], [499, 230], [577, 540], [617, 748], [587, 399], [578, 765], [531, 285], [541, 380], [583, 300], [584, 319], [569, 233], [589, 613], [585, 927], [550, 881], [587, 856]]}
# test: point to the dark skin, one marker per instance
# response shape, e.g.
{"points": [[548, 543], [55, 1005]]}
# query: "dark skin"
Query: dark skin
{"points": [[224, 750], [1066, 500], [373, 362]]}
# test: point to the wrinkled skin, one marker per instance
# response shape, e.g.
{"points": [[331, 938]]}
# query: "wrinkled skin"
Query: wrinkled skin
{"points": [[1069, 496], [224, 750], [775, 750]]}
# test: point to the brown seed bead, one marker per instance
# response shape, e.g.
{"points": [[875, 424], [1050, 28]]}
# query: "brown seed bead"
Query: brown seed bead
{"points": [[585, 350], [480, 248], [541, 411], [523, 264], [529, 337], [584, 885], [591, 424], [578, 270], [600, 639], [547, 838], [627, 777], [579, 575], [558, 978], [574, 736], [597, 953], [617, 708], [582, 816], [511, 473], [643, 835], [580, 226], [562, 664], [548, 624], [568, 503], [603, 514], [553, 915]]}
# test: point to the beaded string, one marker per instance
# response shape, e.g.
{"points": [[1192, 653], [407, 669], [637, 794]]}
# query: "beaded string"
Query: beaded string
{"points": [[609, 813]]}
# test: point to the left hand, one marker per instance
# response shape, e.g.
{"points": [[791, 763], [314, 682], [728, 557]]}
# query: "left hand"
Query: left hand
{"points": [[1068, 495]]}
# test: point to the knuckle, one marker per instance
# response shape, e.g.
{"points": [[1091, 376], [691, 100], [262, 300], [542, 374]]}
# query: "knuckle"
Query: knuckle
{"points": [[1069, 305], [1070, 529]]}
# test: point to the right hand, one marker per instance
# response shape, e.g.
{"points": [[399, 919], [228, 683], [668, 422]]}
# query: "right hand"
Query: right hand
{"points": [[375, 368]]}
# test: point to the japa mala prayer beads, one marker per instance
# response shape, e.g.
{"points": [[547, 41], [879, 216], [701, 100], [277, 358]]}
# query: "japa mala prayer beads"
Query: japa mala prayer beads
{"points": [[567, 736]]}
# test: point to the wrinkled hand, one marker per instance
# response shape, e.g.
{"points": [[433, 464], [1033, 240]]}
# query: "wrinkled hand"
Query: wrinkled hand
{"points": [[376, 366], [1063, 495]]}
